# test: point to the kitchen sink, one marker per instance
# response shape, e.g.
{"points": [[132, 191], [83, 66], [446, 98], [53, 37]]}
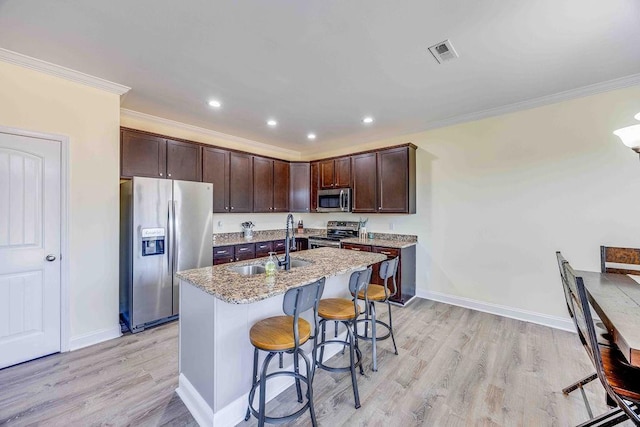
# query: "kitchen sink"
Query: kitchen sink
{"points": [[249, 270], [253, 269]]}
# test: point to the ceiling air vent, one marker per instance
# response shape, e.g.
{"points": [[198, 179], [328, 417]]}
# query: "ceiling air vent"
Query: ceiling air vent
{"points": [[443, 51]]}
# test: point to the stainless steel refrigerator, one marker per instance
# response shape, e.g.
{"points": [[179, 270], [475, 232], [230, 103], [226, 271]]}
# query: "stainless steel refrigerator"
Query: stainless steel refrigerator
{"points": [[165, 226]]}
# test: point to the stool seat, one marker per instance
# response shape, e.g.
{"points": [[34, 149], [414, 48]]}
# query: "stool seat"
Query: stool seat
{"points": [[374, 293], [337, 309], [276, 333]]}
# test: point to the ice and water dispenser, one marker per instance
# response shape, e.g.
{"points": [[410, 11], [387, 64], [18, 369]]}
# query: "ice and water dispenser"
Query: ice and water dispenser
{"points": [[153, 241]]}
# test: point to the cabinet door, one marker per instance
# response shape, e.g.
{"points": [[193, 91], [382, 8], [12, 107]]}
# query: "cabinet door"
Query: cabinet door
{"points": [[326, 174], [393, 181], [356, 247], [215, 169], [184, 161], [280, 186], [142, 155], [263, 249], [262, 184], [245, 252], [279, 247], [223, 255], [363, 168], [302, 244], [315, 185], [390, 253], [240, 182], [300, 187], [342, 172]]}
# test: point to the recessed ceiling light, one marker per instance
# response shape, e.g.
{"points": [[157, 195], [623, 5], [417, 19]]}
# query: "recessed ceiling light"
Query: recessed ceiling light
{"points": [[311, 136], [367, 120], [272, 123], [215, 103]]}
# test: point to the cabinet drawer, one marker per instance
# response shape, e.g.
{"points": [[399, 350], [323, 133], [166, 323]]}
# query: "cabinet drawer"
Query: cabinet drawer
{"points": [[356, 247], [263, 248], [389, 252], [278, 246], [223, 252], [245, 251], [223, 260]]}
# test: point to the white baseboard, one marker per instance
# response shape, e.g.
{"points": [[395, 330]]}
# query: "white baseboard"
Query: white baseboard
{"points": [[201, 412], [94, 337], [500, 310], [234, 412]]}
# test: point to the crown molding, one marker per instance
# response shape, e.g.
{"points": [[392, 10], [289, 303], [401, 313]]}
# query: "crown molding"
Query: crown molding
{"points": [[205, 132], [62, 72], [606, 86]]}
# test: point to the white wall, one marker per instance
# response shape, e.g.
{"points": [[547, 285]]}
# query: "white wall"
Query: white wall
{"points": [[497, 197], [91, 119]]}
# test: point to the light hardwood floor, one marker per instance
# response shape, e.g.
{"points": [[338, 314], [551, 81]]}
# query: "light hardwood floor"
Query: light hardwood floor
{"points": [[456, 367]]}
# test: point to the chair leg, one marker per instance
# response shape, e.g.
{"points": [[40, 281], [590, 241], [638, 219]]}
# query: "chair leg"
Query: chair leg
{"points": [[324, 337], [610, 418], [310, 367], [263, 389], [255, 379], [354, 380], [374, 348], [393, 338], [296, 368]]}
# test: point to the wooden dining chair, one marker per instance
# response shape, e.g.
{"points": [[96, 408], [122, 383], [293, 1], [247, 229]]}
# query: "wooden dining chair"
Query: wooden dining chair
{"points": [[620, 380], [619, 260]]}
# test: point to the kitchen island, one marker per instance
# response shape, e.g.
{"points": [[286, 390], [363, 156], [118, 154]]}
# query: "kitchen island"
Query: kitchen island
{"points": [[218, 306]]}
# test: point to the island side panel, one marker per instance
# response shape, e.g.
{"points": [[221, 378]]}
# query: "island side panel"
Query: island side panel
{"points": [[197, 339]]}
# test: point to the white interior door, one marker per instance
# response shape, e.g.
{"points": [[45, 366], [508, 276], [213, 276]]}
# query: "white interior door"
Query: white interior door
{"points": [[29, 248]]}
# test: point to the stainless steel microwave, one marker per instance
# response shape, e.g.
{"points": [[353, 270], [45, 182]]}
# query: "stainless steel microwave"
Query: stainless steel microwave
{"points": [[335, 200]]}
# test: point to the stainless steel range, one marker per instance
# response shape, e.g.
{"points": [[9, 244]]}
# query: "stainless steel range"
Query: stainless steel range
{"points": [[336, 230]]}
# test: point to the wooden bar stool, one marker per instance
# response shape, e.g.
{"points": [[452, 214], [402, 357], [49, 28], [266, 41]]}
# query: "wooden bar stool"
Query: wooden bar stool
{"points": [[378, 293], [285, 334], [345, 311]]}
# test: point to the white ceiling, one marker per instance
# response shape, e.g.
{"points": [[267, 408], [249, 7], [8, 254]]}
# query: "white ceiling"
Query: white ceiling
{"points": [[321, 65]]}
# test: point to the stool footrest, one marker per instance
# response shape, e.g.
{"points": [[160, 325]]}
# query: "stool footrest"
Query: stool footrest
{"points": [[285, 418], [378, 337], [357, 363]]}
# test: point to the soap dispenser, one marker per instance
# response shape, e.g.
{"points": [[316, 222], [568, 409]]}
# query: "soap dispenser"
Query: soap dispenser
{"points": [[270, 265]]}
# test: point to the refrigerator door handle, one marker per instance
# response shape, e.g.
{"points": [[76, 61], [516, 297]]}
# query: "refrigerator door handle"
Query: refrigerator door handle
{"points": [[174, 250]]}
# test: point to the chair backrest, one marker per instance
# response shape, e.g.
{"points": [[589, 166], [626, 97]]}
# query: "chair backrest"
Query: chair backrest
{"points": [[565, 284], [298, 300], [388, 270], [586, 326], [359, 281], [619, 260]]}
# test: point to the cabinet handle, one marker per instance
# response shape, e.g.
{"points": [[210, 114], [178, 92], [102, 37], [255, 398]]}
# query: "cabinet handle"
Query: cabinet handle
{"points": [[226, 208], [221, 252], [160, 173], [386, 253], [168, 174], [231, 207], [379, 208], [355, 249], [243, 249]]}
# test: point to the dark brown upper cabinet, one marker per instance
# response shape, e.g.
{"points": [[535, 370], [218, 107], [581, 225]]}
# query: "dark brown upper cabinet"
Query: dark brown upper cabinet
{"points": [[240, 182], [385, 181], [315, 185], [281, 183], [300, 187], [156, 157], [365, 181], [335, 173], [184, 161], [215, 169], [397, 180], [270, 185], [142, 155]]}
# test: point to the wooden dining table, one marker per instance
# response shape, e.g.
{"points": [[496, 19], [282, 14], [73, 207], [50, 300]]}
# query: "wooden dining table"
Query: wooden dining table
{"points": [[616, 299]]}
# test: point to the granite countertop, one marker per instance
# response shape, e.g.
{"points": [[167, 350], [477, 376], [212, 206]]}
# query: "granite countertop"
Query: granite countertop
{"points": [[229, 286], [227, 239], [386, 243]]}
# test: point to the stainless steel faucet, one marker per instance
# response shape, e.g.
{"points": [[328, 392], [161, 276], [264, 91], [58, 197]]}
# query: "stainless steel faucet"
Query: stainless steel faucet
{"points": [[289, 244]]}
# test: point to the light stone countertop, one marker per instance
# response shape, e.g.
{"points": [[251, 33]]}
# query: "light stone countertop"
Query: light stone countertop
{"points": [[229, 286], [229, 239], [386, 243]]}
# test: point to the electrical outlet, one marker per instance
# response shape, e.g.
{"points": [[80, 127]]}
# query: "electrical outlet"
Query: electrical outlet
{"points": [[392, 226], [220, 224]]}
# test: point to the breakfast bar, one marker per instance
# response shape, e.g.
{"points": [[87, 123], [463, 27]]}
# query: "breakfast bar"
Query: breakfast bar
{"points": [[218, 306]]}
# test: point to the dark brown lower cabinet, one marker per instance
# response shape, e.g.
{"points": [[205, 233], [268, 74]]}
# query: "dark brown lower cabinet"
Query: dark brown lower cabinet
{"points": [[263, 249], [406, 278], [223, 254], [245, 251]]}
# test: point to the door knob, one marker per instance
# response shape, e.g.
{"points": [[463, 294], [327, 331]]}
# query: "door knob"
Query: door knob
{"points": [[50, 258]]}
